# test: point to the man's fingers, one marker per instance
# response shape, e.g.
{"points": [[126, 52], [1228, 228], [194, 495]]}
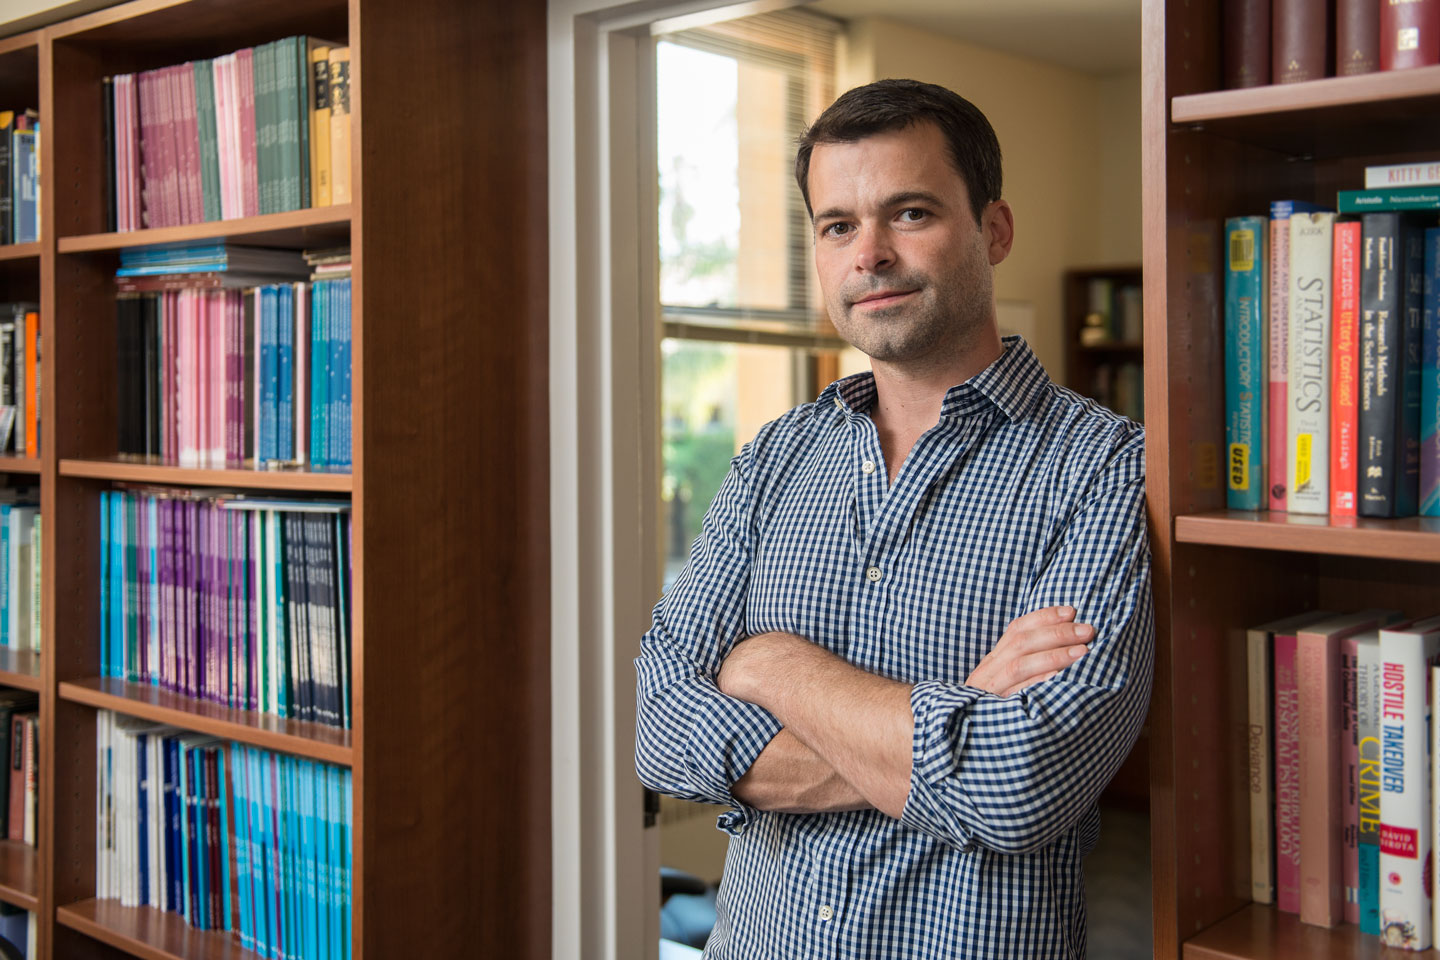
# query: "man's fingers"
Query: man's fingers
{"points": [[1043, 617]]}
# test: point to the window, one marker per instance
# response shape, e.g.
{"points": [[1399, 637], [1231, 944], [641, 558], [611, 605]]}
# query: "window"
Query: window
{"points": [[745, 331]]}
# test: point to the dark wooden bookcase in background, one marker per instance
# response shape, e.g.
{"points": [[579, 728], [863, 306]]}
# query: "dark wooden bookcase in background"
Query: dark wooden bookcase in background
{"points": [[1084, 362], [450, 747], [1211, 154]]}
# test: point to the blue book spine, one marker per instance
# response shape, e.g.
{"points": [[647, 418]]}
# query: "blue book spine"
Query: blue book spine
{"points": [[5, 640], [332, 334], [285, 391], [319, 373], [1407, 484], [117, 584], [240, 810], [183, 787], [26, 167], [267, 834], [142, 799], [194, 904], [227, 906], [307, 857], [323, 895], [283, 809], [345, 373], [261, 906], [282, 662], [269, 373], [1430, 380], [346, 839], [172, 851], [132, 589], [1246, 366], [105, 611]]}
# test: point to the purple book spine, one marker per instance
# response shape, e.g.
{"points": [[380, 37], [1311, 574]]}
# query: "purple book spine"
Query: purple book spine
{"points": [[187, 594], [167, 594], [219, 636], [252, 520], [142, 593]]}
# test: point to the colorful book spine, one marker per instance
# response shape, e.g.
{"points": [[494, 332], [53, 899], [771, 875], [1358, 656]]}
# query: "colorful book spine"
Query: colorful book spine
{"points": [[1345, 372], [1381, 342], [1287, 775], [1426, 173], [1409, 34], [1245, 364], [1388, 199], [1429, 491], [1308, 416], [1278, 460], [1367, 710]]}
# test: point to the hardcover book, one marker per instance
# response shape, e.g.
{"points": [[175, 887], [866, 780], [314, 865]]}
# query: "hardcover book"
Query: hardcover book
{"points": [[1409, 34], [1345, 370], [1245, 362], [1308, 416]]}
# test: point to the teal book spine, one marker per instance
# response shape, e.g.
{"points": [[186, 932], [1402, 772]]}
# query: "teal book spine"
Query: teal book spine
{"points": [[209, 145], [346, 839], [319, 373], [105, 583], [281, 623], [1389, 198], [239, 807], [227, 906], [1430, 380], [1246, 364], [323, 882]]}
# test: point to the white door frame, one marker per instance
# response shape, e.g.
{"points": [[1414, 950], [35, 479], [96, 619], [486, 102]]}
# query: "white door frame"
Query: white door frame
{"points": [[604, 450]]}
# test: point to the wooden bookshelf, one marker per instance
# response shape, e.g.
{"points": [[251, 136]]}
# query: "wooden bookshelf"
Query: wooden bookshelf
{"points": [[1093, 370], [134, 471], [449, 492], [313, 740], [1211, 154]]}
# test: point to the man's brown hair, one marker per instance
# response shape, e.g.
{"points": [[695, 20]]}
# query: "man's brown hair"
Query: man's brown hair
{"points": [[887, 105]]}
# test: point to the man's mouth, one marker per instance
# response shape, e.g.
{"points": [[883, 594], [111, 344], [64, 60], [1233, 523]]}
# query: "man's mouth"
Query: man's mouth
{"points": [[882, 298]]}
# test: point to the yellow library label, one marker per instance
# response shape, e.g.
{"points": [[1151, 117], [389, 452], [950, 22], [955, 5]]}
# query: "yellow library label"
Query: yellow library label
{"points": [[1239, 466], [1302, 460], [1242, 250]]}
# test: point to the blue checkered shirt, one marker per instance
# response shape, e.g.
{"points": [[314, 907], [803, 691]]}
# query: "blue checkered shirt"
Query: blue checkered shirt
{"points": [[1023, 495]]}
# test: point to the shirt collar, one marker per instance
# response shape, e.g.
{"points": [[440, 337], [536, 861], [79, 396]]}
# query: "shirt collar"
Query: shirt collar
{"points": [[1013, 383]]}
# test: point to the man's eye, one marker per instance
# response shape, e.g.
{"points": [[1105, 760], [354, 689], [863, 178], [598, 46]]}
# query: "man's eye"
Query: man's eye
{"points": [[912, 215], [837, 230]]}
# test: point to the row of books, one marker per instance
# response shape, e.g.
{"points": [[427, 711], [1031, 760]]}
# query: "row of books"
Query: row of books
{"points": [[1291, 41], [209, 375], [242, 602], [20, 379], [19, 765], [265, 129], [1114, 313], [20, 566], [1332, 388], [1342, 819], [19, 176], [1120, 386], [18, 929], [230, 837]]}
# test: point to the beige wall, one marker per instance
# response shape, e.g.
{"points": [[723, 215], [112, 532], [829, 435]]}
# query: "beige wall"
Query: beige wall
{"points": [[1071, 144]]}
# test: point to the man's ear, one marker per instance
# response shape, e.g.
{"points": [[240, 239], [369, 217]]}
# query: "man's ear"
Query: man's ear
{"points": [[997, 222]]}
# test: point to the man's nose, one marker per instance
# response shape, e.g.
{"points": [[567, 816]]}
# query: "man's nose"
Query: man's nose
{"points": [[874, 251]]}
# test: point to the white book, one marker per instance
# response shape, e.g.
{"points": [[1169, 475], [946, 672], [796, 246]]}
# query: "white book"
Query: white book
{"points": [[1403, 175], [1407, 651], [22, 520], [1307, 421], [102, 794], [36, 581]]}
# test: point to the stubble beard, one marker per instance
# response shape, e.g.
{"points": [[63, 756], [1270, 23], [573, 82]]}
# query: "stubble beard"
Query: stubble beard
{"points": [[929, 323]]}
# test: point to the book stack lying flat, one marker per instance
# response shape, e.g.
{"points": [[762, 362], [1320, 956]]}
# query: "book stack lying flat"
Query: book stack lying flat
{"points": [[242, 602], [230, 837], [265, 129]]}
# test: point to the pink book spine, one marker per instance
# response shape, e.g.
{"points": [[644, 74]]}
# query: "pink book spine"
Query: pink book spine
{"points": [[220, 66], [1322, 884], [184, 374], [249, 170], [219, 376], [172, 392], [1287, 776], [235, 445], [122, 187], [190, 110], [1350, 773], [149, 171], [1278, 467], [169, 139], [133, 177]]}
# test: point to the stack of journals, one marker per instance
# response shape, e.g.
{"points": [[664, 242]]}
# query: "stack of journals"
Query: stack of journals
{"points": [[243, 602], [1342, 814], [262, 130], [230, 837], [208, 375], [1291, 41], [19, 176], [1332, 384]]}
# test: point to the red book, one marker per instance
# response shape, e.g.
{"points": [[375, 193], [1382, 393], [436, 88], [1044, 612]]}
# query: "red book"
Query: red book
{"points": [[1287, 776], [1301, 45], [1349, 787], [1357, 37], [1247, 43], [189, 128], [1322, 879], [1409, 34], [1345, 370], [32, 384], [147, 176], [249, 169]]}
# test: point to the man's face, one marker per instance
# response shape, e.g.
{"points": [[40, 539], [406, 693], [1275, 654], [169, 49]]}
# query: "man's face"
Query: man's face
{"points": [[905, 269]]}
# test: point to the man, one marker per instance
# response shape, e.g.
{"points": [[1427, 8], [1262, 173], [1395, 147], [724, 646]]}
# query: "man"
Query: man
{"points": [[827, 664]]}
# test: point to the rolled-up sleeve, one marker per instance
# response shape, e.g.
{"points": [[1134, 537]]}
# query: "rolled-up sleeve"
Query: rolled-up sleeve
{"points": [[1012, 774], [692, 741]]}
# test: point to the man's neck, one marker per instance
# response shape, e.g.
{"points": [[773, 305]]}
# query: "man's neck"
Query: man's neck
{"points": [[908, 396]]}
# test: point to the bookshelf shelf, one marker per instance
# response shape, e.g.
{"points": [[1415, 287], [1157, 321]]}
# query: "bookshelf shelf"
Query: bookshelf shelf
{"points": [[149, 933], [20, 669], [1261, 932], [297, 229], [13, 464], [18, 884], [20, 251], [133, 471], [1411, 538], [296, 737], [1374, 112]]}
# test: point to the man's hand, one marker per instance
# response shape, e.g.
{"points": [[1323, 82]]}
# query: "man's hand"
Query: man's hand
{"points": [[1035, 648]]}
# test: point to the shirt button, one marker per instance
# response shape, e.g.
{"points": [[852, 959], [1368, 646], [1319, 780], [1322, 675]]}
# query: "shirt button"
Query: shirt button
{"points": [[868, 466], [873, 574], [826, 913], [838, 404]]}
